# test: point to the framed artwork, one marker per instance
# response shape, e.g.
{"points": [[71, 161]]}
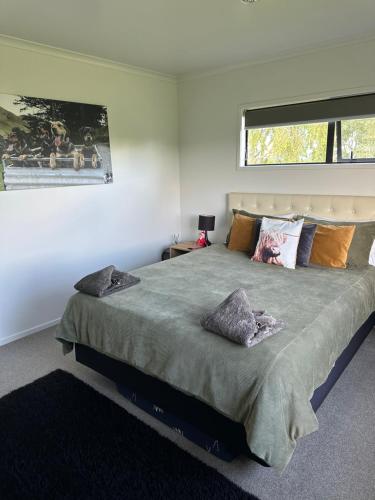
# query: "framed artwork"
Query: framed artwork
{"points": [[50, 143]]}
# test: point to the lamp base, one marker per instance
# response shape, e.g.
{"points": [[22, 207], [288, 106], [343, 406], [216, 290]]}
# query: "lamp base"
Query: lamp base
{"points": [[203, 240], [207, 241]]}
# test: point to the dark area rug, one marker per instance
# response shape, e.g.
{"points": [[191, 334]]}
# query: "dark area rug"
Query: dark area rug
{"points": [[59, 438]]}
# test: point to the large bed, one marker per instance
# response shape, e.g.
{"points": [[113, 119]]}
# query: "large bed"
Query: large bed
{"points": [[258, 400]]}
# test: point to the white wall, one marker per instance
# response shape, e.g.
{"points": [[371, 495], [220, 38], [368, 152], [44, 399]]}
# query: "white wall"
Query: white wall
{"points": [[209, 128], [49, 238]]}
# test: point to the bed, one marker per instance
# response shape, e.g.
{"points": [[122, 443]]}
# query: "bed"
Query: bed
{"points": [[257, 401]]}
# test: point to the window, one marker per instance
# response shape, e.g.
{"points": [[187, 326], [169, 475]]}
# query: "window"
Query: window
{"points": [[333, 131], [356, 140]]}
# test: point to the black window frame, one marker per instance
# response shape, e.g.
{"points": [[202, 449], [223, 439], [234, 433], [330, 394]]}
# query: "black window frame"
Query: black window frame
{"points": [[334, 131], [332, 112], [340, 159]]}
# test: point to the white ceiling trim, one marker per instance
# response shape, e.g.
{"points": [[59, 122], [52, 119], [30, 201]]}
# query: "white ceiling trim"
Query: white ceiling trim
{"points": [[282, 56], [40, 48]]}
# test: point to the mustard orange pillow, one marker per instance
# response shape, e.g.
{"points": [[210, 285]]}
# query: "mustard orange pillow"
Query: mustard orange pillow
{"points": [[242, 233], [331, 245]]}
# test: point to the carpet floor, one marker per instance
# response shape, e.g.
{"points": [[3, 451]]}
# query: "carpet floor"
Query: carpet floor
{"points": [[335, 463], [61, 439]]}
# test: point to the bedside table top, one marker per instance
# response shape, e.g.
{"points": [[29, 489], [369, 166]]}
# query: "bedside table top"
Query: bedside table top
{"points": [[185, 246]]}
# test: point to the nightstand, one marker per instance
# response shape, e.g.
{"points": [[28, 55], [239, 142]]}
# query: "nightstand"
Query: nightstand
{"points": [[182, 248]]}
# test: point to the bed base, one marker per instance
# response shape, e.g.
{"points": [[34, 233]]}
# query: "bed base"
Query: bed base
{"points": [[191, 417]]}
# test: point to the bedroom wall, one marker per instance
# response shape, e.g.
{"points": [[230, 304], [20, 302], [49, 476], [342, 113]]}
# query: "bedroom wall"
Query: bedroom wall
{"points": [[49, 238], [209, 129]]}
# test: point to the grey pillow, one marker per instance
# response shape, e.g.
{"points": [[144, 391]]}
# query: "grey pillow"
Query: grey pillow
{"points": [[258, 226], [364, 235], [96, 283], [105, 282], [233, 319], [305, 244]]}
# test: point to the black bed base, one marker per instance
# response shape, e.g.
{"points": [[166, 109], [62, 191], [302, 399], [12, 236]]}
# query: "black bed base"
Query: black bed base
{"points": [[200, 423], [193, 433]]}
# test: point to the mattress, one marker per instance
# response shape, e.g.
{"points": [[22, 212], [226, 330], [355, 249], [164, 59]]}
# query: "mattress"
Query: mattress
{"points": [[155, 327]]}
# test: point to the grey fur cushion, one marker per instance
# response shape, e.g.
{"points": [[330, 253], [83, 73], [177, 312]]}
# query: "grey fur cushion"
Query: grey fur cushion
{"points": [[267, 326], [105, 282], [235, 320]]}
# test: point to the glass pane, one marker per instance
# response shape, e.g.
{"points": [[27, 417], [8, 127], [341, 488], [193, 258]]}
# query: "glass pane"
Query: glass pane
{"points": [[300, 143], [358, 139]]}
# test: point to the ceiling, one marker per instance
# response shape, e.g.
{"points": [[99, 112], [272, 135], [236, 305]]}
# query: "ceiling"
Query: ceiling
{"points": [[176, 36]]}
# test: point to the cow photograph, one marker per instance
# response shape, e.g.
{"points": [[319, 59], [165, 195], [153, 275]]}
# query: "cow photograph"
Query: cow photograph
{"points": [[52, 143]]}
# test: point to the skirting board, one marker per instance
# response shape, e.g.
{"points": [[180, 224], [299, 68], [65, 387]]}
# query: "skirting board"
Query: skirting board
{"points": [[28, 331]]}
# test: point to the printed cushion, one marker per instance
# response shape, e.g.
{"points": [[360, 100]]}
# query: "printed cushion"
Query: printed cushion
{"points": [[331, 245], [278, 242], [304, 245]]}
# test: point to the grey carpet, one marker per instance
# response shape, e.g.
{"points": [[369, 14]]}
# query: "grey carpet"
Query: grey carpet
{"points": [[335, 463]]}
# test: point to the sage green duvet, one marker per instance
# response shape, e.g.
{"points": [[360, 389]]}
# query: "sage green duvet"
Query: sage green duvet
{"points": [[155, 327]]}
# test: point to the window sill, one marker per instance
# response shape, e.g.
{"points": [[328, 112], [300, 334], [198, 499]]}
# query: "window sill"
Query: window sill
{"points": [[304, 167]]}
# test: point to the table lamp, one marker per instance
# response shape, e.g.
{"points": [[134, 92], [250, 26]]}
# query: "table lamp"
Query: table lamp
{"points": [[206, 223]]}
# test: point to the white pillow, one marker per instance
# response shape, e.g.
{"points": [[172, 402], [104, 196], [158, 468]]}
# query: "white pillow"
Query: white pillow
{"points": [[371, 259], [278, 242]]}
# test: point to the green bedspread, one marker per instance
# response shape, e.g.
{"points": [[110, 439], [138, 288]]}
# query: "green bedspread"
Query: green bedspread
{"points": [[155, 327]]}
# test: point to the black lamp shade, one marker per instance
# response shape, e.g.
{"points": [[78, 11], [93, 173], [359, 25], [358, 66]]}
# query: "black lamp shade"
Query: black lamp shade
{"points": [[206, 222]]}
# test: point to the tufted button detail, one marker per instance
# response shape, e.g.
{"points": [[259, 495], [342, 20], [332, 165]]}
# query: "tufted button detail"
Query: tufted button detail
{"points": [[349, 207]]}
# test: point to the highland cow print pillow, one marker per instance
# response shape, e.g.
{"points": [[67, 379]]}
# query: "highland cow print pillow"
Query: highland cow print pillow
{"points": [[278, 242]]}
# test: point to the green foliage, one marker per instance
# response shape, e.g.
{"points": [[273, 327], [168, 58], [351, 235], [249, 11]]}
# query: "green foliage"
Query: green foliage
{"points": [[307, 142], [73, 114], [358, 138], [304, 143]]}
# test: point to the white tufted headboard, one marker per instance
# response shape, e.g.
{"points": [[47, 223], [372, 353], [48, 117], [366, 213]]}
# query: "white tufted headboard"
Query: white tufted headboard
{"points": [[345, 208]]}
